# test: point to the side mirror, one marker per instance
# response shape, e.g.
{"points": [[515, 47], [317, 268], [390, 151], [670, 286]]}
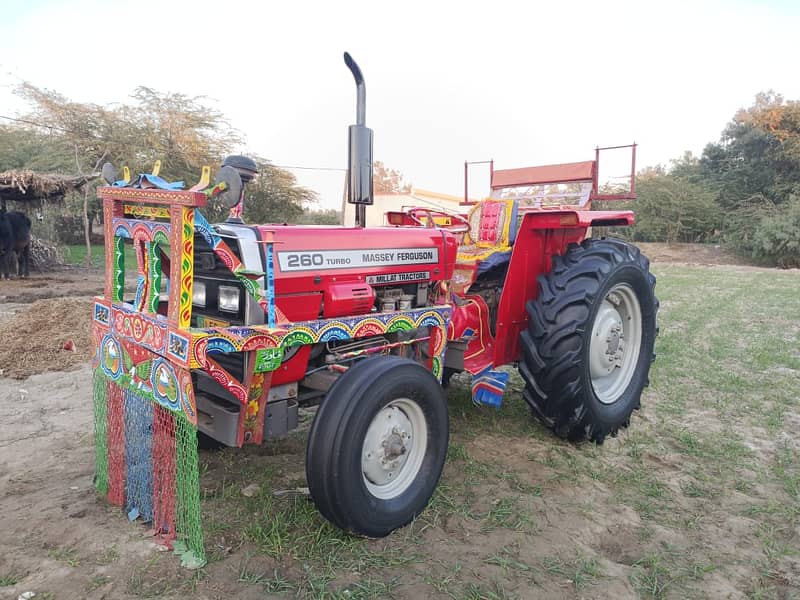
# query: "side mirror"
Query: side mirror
{"points": [[237, 171], [233, 186]]}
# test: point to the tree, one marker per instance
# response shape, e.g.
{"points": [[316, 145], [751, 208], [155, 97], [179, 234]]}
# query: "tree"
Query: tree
{"points": [[181, 131], [756, 169], [743, 190], [388, 181], [687, 168], [758, 153], [672, 208], [329, 216], [44, 152], [672, 205], [777, 236], [275, 197]]}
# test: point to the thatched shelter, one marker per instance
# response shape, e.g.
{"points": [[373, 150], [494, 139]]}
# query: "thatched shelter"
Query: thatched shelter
{"points": [[33, 190], [30, 187]]}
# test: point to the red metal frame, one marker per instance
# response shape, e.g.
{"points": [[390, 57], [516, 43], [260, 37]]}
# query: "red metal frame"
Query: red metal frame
{"points": [[556, 173], [467, 201], [631, 195], [560, 173]]}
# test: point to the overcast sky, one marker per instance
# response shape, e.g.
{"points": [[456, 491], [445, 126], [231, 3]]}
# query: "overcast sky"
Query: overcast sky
{"points": [[522, 82]]}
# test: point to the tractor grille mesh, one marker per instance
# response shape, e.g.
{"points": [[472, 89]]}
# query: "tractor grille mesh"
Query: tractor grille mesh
{"points": [[146, 461], [100, 432]]}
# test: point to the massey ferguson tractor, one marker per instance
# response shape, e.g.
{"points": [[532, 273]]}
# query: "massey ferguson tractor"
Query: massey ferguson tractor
{"points": [[233, 326]]}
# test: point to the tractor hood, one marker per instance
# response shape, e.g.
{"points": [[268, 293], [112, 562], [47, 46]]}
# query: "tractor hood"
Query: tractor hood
{"points": [[308, 258], [337, 271]]}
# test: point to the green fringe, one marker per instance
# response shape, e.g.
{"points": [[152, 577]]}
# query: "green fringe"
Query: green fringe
{"points": [[99, 385]]}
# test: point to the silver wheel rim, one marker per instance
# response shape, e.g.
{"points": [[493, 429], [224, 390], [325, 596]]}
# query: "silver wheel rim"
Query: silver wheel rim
{"points": [[615, 343], [394, 448]]}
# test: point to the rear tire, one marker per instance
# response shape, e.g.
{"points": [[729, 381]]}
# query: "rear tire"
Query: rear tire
{"points": [[589, 343], [377, 446]]}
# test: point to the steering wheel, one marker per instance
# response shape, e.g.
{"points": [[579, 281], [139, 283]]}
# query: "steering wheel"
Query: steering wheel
{"points": [[461, 227]]}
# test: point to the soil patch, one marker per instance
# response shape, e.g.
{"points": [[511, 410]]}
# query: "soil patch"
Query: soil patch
{"points": [[34, 339], [693, 254], [65, 282]]}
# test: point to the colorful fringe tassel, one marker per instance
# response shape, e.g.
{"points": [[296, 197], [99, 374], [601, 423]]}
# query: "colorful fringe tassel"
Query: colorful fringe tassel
{"points": [[488, 387], [147, 463]]}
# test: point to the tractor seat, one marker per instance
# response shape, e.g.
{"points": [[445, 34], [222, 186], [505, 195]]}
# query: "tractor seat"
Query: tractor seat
{"points": [[492, 229]]}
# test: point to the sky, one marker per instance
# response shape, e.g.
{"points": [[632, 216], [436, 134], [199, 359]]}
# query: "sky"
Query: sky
{"points": [[523, 83]]}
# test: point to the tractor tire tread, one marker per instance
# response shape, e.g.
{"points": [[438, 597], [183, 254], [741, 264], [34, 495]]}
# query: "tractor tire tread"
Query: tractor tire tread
{"points": [[552, 343]]}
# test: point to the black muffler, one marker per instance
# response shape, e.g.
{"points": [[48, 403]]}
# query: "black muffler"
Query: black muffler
{"points": [[359, 150]]}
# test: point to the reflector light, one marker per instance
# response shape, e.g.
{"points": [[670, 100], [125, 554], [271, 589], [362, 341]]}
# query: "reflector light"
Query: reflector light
{"points": [[199, 294], [568, 220]]}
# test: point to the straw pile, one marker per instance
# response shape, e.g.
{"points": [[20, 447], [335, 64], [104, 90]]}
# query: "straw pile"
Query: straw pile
{"points": [[28, 186], [34, 339]]}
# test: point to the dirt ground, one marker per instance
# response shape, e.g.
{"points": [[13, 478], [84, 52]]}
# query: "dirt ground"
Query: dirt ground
{"points": [[59, 540], [692, 254]]}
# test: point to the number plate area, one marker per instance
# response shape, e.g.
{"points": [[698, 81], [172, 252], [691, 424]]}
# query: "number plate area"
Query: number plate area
{"points": [[348, 259]]}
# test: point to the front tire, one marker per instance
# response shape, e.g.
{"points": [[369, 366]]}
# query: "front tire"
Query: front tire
{"points": [[377, 446], [589, 343]]}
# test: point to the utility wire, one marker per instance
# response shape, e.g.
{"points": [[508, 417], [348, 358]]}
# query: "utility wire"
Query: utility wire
{"points": [[309, 168], [27, 122], [57, 128]]}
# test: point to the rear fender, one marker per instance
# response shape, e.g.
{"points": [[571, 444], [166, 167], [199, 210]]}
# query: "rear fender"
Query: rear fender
{"points": [[576, 218], [541, 236]]}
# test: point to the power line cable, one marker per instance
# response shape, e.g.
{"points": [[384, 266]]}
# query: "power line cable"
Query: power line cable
{"points": [[28, 122], [58, 128], [309, 168]]}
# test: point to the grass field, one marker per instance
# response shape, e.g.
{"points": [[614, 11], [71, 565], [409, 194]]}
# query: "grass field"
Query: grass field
{"points": [[75, 254], [700, 497]]}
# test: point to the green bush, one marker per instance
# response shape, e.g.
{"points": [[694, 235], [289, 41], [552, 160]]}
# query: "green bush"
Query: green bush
{"points": [[669, 209], [777, 237]]}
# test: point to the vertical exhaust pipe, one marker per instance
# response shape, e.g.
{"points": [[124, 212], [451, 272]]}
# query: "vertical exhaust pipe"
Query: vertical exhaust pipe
{"points": [[359, 150]]}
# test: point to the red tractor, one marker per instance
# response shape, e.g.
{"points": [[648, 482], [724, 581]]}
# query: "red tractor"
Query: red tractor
{"points": [[234, 325]]}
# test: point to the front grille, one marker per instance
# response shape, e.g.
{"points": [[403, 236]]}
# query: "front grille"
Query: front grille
{"points": [[210, 270], [213, 273]]}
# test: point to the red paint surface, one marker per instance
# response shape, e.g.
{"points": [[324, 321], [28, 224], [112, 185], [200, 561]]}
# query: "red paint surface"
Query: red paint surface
{"points": [[473, 315], [164, 483], [116, 444], [293, 369], [309, 239], [579, 171]]}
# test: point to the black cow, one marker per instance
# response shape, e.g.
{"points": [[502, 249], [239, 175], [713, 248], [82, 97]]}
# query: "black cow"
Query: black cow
{"points": [[6, 243], [15, 237]]}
